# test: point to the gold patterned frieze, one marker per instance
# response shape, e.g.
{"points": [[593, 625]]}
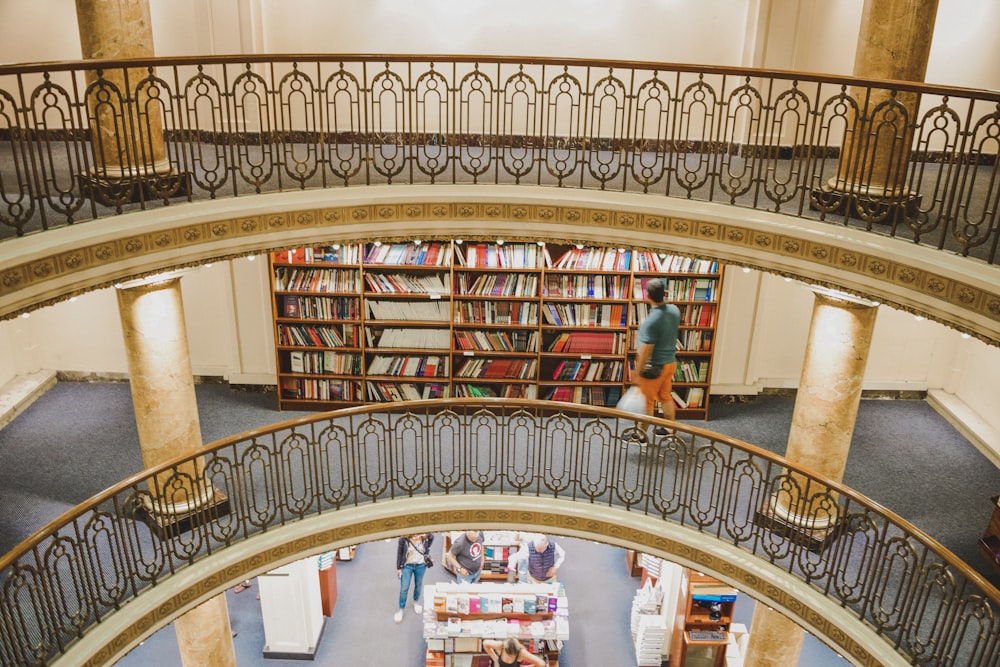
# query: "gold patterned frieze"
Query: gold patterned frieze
{"points": [[935, 288]]}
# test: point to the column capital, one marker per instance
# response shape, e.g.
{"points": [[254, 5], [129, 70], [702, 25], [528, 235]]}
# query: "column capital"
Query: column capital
{"points": [[836, 297]]}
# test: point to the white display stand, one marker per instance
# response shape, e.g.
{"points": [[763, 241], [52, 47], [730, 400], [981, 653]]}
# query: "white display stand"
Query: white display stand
{"points": [[292, 607]]}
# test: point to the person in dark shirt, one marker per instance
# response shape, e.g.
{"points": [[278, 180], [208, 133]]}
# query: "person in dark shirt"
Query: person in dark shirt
{"points": [[465, 558], [542, 558]]}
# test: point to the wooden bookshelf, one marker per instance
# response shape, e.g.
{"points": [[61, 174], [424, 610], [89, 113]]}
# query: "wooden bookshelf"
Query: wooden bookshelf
{"points": [[358, 323]]}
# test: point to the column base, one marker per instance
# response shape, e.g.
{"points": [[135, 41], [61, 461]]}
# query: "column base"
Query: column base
{"points": [[117, 191], [869, 207], [813, 539], [167, 526], [308, 654]]}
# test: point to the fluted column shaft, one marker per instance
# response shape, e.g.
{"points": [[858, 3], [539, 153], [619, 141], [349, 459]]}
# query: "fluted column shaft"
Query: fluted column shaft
{"points": [[127, 127], [823, 419], [166, 414]]}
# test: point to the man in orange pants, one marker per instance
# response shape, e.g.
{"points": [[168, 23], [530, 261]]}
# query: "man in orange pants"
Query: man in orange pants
{"points": [[657, 346]]}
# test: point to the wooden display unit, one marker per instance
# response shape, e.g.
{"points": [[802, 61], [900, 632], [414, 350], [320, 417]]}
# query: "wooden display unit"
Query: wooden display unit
{"points": [[358, 323], [499, 545], [989, 543], [701, 623], [455, 623]]}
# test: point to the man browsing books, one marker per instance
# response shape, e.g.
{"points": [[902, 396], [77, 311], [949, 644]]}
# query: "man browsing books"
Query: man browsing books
{"points": [[542, 559], [657, 345], [465, 558]]}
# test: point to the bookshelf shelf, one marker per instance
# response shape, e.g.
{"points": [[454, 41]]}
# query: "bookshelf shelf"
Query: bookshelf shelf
{"points": [[500, 318], [702, 621]]}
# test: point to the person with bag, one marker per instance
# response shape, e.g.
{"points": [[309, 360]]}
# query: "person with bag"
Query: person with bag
{"points": [[412, 560], [656, 353]]}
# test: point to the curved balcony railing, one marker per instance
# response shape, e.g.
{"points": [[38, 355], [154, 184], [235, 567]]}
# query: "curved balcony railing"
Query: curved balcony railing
{"points": [[72, 575], [85, 140]]}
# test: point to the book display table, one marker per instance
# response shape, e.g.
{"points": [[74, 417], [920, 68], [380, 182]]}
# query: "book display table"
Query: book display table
{"points": [[458, 617]]}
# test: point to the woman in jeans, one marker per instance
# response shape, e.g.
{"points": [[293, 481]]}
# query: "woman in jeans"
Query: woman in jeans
{"points": [[411, 563]]}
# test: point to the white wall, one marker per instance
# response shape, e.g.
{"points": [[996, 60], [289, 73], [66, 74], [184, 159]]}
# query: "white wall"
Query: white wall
{"points": [[809, 35]]}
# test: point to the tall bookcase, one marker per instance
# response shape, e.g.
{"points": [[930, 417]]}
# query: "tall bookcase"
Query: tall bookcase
{"points": [[382, 322]]}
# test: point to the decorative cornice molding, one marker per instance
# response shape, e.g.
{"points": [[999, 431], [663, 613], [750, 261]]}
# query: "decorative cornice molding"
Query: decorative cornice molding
{"points": [[955, 291]]}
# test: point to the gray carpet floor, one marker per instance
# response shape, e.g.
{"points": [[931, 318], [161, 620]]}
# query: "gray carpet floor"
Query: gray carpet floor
{"points": [[80, 438]]}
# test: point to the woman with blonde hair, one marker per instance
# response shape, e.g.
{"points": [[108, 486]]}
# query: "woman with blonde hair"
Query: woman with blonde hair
{"points": [[510, 653]]}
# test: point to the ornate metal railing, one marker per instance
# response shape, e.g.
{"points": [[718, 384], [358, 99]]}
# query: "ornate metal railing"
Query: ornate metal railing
{"points": [[70, 576], [90, 139]]}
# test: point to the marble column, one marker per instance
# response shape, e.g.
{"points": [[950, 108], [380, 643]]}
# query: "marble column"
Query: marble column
{"points": [[894, 44], [166, 414], [126, 118], [775, 641], [204, 635], [823, 418], [160, 374]]}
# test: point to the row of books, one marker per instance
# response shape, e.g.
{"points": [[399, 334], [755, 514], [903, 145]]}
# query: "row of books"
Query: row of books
{"points": [[419, 339], [678, 289], [321, 390], [495, 391], [424, 254], [428, 311], [497, 341], [405, 283], [604, 396], [317, 336], [316, 280], [496, 284], [588, 342], [589, 285], [692, 315], [349, 253], [594, 259], [496, 312], [408, 366], [521, 369], [585, 314], [660, 263], [689, 370], [691, 397], [589, 371], [495, 603], [387, 392], [492, 255], [694, 340], [553, 628], [320, 307], [319, 363]]}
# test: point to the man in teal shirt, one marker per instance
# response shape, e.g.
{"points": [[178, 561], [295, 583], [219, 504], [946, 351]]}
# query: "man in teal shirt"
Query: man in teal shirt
{"points": [[658, 345]]}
